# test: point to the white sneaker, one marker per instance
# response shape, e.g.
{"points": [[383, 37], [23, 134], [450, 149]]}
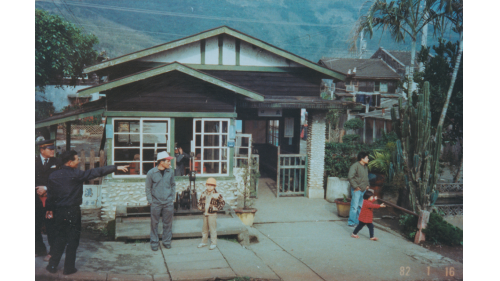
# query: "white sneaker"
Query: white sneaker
{"points": [[202, 245], [212, 247]]}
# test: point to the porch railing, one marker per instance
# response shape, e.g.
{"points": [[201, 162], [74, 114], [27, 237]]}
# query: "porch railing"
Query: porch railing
{"points": [[291, 174]]}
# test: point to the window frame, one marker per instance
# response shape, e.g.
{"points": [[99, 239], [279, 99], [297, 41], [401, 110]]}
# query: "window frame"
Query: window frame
{"points": [[220, 147], [275, 138], [378, 84], [140, 147]]}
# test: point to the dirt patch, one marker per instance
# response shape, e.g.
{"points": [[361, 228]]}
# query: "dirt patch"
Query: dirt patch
{"points": [[381, 216]]}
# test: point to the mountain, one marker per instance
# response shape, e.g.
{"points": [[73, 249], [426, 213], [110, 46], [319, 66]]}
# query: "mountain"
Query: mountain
{"points": [[311, 29]]}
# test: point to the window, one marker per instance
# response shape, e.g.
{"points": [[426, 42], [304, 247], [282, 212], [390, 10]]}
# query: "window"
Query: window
{"points": [[273, 132], [136, 142], [380, 87], [210, 146]]}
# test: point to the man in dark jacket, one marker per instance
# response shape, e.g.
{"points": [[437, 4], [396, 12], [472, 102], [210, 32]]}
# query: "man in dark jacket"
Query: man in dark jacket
{"points": [[64, 197], [358, 178], [160, 192], [181, 158], [45, 164]]}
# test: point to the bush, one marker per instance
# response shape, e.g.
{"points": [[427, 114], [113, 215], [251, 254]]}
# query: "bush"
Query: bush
{"points": [[353, 124], [350, 138], [437, 230]]}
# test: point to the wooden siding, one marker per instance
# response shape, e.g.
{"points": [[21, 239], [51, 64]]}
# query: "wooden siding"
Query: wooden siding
{"points": [[171, 92], [297, 83]]}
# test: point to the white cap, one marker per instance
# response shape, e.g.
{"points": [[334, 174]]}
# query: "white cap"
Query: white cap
{"points": [[163, 155]]}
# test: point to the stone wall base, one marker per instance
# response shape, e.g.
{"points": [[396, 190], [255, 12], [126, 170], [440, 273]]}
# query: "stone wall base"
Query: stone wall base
{"points": [[316, 193]]}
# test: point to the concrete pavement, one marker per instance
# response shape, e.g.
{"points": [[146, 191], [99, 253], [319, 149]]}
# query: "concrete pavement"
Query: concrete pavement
{"points": [[299, 239]]}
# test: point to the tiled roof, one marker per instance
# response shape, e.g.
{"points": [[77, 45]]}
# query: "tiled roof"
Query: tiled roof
{"points": [[365, 68], [403, 56]]}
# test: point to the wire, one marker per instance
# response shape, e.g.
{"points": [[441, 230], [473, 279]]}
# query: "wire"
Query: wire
{"points": [[152, 12]]}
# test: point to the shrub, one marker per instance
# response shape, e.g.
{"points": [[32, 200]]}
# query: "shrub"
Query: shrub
{"points": [[437, 230], [353, 124], [350, 138], [440, 230]]}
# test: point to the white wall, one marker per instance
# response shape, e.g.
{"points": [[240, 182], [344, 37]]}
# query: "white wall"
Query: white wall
{"points": [[250, 55], [189, 54]]}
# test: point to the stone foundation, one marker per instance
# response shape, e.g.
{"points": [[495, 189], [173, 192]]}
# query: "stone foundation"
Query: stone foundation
{"points": [[115, 193]]}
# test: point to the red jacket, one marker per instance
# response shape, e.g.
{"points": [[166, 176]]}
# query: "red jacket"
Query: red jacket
{"points": [[366, 214]]}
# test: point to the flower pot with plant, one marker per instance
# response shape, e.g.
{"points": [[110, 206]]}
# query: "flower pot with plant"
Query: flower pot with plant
{"points": [[250, 176], [343, 206], [380, 161]]}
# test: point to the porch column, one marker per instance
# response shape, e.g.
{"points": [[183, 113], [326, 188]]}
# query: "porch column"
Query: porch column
{"points": [[316, 153], [68, 136]]}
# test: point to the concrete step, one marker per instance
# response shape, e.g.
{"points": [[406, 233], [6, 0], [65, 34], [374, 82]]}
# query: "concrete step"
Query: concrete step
{"points": [[182, 227]]}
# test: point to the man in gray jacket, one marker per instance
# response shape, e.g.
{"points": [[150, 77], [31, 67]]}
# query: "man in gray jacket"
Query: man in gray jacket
{"points": [[358, 178], [160, 192]]}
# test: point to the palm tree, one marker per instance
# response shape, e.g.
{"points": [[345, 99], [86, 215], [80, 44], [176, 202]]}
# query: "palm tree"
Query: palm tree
{"points": [[402, 18], [453, 12]]}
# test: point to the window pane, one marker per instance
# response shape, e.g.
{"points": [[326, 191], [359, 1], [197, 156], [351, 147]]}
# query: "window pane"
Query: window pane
{"points": [[198, 154], [198, 140], [224, 127], [148, 155], [224, 167], [151, 140], [224, 154], [211, 140], [129, 172], [383, 87], [127, 140], [211, 167], [198, 126], [155, 127], [125, 154], [211, 154], [147, 167], [135, 167], [224, 141], [127, 126], [212, 127]]}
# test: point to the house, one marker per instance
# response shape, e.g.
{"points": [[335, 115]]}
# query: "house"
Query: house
{"points": [[400, 61], [192, 93], [368, 81]]}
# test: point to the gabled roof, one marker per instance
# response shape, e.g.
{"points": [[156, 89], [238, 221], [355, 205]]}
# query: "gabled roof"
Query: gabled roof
{"points": [[207, 34], [88, 109], [169, 67], [365, 68]]}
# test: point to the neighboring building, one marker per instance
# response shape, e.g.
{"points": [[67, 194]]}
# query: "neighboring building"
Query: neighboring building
{"points": [[400, 61], [191, 93], [368, 81]]}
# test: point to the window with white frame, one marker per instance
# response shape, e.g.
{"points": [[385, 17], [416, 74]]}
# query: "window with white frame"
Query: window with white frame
{"points": [[381, 87], [137, 141], [210, 146], [273, 132]]}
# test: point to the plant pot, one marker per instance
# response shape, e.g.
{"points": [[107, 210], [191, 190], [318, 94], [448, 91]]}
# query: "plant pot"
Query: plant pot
{"points": [[343, 207], [246, 215]]}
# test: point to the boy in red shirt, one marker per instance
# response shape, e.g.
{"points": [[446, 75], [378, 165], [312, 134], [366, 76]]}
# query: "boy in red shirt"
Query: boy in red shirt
{"points": [[366, 215]]}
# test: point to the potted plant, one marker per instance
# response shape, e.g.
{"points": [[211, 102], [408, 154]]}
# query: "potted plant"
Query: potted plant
{"points": [[343, 206], [380, 161], [250, 175]]}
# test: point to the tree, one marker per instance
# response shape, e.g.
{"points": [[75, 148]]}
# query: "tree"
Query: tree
{"points": [[438, 70], [453, 12], [402, 18], [61, 50]]}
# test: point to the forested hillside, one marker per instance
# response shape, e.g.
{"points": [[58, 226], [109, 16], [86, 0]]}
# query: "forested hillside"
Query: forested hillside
{"points": [[310, 29]]}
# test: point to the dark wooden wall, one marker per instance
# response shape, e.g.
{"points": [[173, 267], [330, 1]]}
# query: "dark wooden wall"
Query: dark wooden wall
{"points": [[176, 92], [369, 85], [296, 83]]}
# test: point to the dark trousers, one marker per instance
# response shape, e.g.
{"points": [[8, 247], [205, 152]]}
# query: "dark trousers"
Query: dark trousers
{"points": [[40, 222], [67, 229], [167, 214], [361, 225], [40, 248]]}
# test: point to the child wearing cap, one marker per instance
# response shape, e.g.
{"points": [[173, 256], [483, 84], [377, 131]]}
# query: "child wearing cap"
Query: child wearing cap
{"points": [[210, 202]]}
